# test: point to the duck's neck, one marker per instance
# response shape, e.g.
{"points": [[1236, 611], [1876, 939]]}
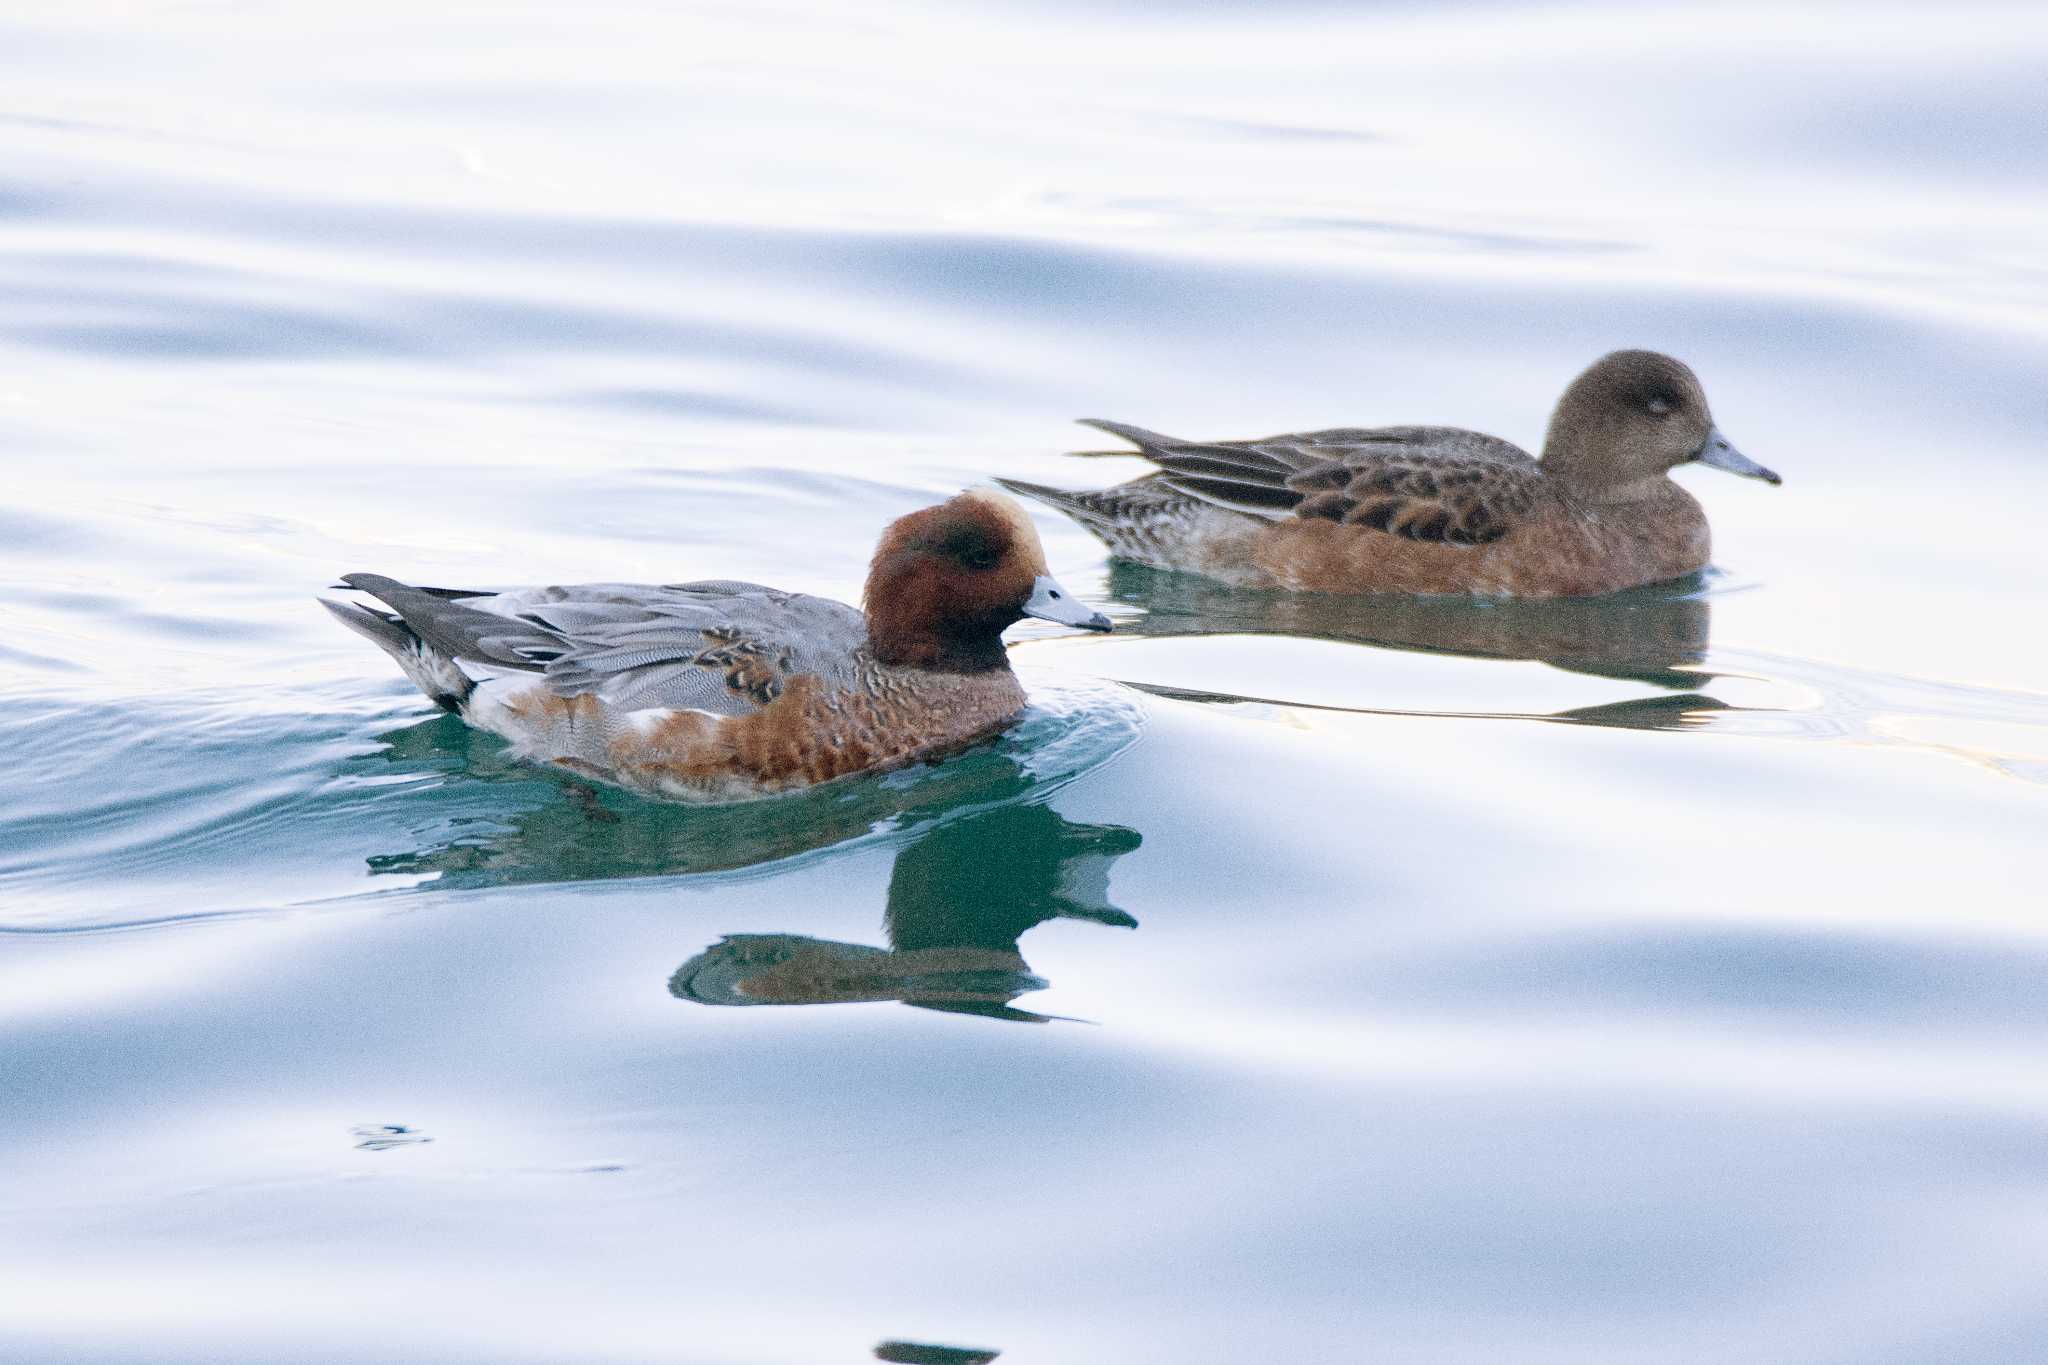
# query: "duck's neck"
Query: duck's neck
{"points": [[1656, 488], [974, 646]]}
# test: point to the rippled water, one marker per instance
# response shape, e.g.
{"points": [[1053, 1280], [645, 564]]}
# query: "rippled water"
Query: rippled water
{"points": [[1650, 979]]}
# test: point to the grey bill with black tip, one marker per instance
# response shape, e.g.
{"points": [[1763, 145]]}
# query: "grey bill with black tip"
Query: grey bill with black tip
{"points": [[1720, 453], [1051, 602]]}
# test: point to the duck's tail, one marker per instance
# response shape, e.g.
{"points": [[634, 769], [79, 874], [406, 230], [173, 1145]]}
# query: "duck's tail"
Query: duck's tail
{"points": [[431, 671], [1147, 442], [1097, 508], [1117, 507], [1146, 520]]}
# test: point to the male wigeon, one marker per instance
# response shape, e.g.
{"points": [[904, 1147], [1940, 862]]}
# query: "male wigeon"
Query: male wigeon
{"points": [[724, 691], [1433, 509]]}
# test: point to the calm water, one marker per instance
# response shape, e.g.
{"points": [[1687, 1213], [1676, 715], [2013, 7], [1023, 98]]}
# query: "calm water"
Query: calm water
{"points": [[1650, 980]]}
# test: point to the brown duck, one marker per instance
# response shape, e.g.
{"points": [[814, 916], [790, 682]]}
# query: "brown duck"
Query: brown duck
{"points": [[1433, 509]]}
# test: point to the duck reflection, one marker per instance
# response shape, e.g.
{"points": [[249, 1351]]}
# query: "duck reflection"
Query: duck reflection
{"points": [[921, 1353], [1656, 634], [959, 899]]}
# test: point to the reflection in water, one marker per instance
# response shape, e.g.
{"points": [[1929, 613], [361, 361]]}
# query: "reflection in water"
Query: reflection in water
{"points": [[382, 1137], [920, 1353], [959, 899], [1655, 634], [572, 832], [1680, 711], [575, 834]]}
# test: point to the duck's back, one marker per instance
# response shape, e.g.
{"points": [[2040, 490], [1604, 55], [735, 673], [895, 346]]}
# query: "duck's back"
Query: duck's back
{"points": [[721, 646], [1404, 509]]}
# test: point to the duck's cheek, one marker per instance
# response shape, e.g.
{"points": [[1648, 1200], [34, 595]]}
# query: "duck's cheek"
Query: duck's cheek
{"points": [[984, 595]]}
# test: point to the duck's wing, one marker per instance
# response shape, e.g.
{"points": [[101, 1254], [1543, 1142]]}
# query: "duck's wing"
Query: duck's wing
{"points": [[1224, 473], [1424, 483], [1441, 484], [724, 647], [1283, 451]]}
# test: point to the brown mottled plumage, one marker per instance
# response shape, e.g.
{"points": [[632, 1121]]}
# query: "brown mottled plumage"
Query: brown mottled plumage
{"points": [[1433, 509], [722, 691]]}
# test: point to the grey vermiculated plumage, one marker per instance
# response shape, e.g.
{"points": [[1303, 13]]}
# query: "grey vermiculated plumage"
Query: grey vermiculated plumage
{"points": [[431, 670], [676, 646]]}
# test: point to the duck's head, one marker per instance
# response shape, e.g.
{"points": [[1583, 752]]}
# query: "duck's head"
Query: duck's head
{"points": [[947, 581], [1631, 418]]}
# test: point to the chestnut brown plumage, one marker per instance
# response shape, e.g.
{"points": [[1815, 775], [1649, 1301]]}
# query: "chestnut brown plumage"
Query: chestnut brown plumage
{"points": [[946, 582]]}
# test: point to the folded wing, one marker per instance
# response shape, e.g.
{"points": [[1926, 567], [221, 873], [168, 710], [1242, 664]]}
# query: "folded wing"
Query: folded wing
{"points": [[724, 647], [1442, 484]]}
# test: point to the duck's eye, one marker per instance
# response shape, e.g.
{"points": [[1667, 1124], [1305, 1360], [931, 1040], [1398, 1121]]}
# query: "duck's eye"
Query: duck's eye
{"points": [[1659, 405], [970, 547]]}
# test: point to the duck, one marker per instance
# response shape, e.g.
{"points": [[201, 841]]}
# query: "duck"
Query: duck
{"points": [[721, 691], [1431, 509]]}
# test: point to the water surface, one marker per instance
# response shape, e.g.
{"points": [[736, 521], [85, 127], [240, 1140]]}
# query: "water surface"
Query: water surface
{"points": [[1647, 980]]}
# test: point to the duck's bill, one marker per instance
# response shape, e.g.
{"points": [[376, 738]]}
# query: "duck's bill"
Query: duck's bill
{"points": [[1718, 453], [1051, 602]]}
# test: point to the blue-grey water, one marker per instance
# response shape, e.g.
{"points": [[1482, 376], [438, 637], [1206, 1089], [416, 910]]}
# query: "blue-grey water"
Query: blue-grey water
{"points": [[1652, 980]]}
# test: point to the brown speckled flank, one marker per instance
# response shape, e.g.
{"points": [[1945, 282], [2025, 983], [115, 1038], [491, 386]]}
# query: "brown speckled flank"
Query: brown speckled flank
{"points": [[722, 691], [1433, 509], [812, 732]]}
